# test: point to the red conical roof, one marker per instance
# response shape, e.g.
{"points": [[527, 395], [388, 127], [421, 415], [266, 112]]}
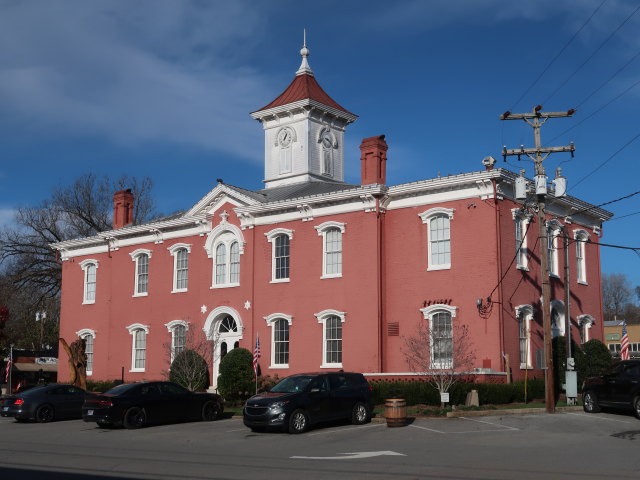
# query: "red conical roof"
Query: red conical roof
{"points": [[304, 87]]}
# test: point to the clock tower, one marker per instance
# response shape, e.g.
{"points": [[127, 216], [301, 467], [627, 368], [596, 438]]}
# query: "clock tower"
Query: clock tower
{"points": [[303, 132]]}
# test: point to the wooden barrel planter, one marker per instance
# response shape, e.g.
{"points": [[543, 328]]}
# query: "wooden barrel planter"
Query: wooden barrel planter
{"points": [[395, 411]]}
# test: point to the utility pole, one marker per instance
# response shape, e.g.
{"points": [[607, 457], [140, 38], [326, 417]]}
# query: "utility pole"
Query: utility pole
{"points": [[538, 154]]}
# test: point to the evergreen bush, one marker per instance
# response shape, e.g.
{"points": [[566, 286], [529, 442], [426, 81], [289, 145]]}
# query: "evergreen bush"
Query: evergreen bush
{"points": [[236, 382]]}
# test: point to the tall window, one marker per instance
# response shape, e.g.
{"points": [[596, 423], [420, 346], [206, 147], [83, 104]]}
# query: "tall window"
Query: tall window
{"points": [[279, 324], [280, 239], [581, 238], [224, 245], [180, 253], [178, 330], [139, 346], [88, 336], [553, 231], [438, 221], [521, 220], [524, 314], [331, 233], [585, 322], [141, 258], [90, 268], [440, 318], [331, 321]]}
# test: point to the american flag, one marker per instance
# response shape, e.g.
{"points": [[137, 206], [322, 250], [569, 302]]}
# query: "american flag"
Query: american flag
{"points": [[256, 355], [624, 343], [8, 369]]}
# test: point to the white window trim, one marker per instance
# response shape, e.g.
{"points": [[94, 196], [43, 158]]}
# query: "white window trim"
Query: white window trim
{"points": [[85, 267], [212, 243], [271, 319], [554, 228], [525, 313], [173, 250], [581, 237], [271, 238], [171, 327], [87, 332], [322, 230], [135, 256], [585, 322], [427, 314], [426, 217], [322, 319], [522, 260], [132, 329]]}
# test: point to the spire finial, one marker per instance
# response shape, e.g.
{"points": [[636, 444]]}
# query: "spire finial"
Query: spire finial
{"points": [[304, 66]]}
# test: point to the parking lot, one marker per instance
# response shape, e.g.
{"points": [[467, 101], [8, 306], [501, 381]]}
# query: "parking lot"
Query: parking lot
{"points": [[567, 445]]}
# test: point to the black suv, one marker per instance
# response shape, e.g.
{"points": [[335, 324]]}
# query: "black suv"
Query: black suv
{"points": [[617, 387], [301, 400]]}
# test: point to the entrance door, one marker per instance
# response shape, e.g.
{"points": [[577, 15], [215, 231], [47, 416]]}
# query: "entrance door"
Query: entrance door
{"points": [[226, 337]]}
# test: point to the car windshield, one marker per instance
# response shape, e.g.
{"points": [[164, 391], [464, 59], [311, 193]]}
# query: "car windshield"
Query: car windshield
{"points": [[293, 384]]}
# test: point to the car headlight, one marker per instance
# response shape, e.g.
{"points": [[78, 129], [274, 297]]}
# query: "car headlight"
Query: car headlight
{"points": [[278, 405]]}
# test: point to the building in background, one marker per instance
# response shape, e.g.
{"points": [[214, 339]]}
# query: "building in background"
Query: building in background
{"points": [[331, 275], [613, 337]]}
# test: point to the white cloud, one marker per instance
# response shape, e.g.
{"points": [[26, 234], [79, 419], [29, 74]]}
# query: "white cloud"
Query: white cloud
{"points": [[133, 71]]}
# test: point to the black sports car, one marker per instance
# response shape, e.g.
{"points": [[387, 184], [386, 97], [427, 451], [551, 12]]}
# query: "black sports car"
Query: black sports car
{"points": [[45, 403], [135, 405]]}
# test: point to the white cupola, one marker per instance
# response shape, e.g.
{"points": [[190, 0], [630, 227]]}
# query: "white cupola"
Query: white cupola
{"points": [[303, 132]]}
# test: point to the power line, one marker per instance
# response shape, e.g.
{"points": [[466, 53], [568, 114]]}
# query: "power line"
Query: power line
{"points": [[624, 216], [635, 84], [592, 55], [557, 55], [606, 161]]}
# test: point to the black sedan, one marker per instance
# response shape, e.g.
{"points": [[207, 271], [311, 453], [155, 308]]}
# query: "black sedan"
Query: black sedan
{"points": [[45, 403], [136, 405], [618, 387]]}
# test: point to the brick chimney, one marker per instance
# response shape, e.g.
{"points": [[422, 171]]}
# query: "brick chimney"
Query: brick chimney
{"points": [[373, 159], [122, 208]]}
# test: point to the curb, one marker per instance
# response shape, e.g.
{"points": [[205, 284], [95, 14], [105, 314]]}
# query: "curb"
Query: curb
{"points": [[511, 411]]}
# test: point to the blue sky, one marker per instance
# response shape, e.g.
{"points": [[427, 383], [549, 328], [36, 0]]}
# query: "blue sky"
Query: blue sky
{"points": [[164, 88]]}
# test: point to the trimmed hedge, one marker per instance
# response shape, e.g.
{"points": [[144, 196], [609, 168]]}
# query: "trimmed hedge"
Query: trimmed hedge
{"points": [[236, 381], [422, 392]]}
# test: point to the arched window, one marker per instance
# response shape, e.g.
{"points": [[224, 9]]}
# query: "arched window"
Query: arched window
{"points": [[280, 239], [331, 321], [180, 253], [521, 219], [581, 238], [524, 313], [141, 281], [585, 322], [279, 323], [90, 268], [554, 228], [139, 346], [440, 332], [331, 233], [88, 336], [224, 245], [438, 221], [178, 330]]}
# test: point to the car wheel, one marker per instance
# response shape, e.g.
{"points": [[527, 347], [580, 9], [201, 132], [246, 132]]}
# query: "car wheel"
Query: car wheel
{"points": [[45, 413], [636, 407], [590, 402], [359, 414], [298, 422], [210, 411], [134, 418]]}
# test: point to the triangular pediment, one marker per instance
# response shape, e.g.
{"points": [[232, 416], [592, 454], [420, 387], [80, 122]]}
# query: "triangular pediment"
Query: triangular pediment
{"points": [[223, 194]]}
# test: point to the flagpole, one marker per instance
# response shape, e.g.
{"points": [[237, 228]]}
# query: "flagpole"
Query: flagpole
{"points": [[10, 367]]}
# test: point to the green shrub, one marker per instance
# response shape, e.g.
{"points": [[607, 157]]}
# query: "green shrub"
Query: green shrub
{"points": [[594, 359], [236, 381], [190, 370]]}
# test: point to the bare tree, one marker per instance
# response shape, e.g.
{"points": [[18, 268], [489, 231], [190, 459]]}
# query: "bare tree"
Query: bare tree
{"points": [[441, 351], [81, 209], [616, 294], [188, 364]]}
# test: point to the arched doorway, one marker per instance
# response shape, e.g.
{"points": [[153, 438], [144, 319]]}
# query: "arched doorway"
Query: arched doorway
{"points": [[224, 327]]}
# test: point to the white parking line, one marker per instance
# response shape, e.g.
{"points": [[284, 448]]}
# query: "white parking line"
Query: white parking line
{"points": [[597, 417], [505, 427], [236, 430], [425, 428], [340, 430]]}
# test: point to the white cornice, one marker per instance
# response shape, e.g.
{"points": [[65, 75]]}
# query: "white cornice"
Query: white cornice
{"points": [[301, 104]]}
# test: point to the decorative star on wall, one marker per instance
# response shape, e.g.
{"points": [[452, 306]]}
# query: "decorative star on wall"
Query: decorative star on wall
{"points": [[203, 309], [247, 305]]}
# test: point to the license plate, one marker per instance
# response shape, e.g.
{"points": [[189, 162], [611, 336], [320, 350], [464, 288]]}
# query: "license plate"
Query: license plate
{"points": [[89, 412], [5, 409]]}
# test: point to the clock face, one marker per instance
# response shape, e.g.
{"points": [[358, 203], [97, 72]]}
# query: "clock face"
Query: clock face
{"points": [[284, 137]]}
